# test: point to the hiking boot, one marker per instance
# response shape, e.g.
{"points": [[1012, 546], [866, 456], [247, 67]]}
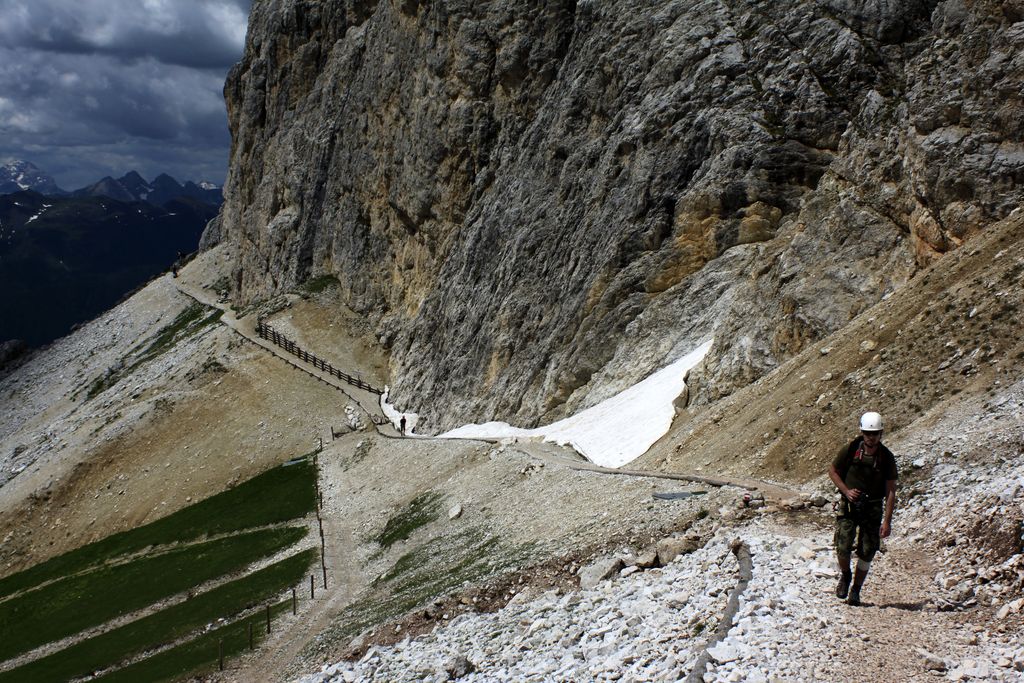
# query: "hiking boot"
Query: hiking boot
{"points": [[854, 599], [843, 587]]}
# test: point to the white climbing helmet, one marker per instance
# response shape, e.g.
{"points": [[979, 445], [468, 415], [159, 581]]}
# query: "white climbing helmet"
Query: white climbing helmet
{"points": [[871, 422]]}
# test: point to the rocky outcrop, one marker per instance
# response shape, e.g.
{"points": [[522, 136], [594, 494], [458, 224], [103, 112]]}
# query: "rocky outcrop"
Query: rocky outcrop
{"points": [[538, 203]]}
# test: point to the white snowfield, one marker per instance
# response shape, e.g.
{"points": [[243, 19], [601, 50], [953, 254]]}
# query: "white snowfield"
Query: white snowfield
{"points": [[614, 432], [395, 416]]}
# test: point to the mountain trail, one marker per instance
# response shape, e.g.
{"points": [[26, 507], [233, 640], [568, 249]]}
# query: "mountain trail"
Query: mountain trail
{"points": [[291, 634], [246, 327]]}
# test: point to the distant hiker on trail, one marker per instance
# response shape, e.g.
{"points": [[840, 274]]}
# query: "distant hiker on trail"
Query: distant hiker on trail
{"points": [[401, 424], [865, 474]]}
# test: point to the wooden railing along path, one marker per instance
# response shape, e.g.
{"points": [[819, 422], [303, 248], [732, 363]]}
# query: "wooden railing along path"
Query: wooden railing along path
{"points": [[265, 331]]}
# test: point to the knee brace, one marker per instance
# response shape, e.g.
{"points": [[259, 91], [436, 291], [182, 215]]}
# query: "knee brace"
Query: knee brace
{"points": [[863, 565]]}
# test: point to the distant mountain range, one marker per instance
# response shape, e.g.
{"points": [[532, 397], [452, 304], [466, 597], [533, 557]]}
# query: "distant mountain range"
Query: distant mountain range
{"points": [[63, 260], [67, 256], [17, 176], [133, 188]]}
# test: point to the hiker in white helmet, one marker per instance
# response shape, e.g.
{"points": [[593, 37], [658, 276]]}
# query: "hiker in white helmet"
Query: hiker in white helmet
{"points": [[865, 474]]}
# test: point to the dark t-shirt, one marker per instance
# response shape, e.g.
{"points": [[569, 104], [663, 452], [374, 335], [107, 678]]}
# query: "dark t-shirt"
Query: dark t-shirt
{"points": [[865, 472]]}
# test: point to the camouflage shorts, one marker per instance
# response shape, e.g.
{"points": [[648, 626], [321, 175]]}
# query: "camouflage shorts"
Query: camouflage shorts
{"points": [[867, 540]]}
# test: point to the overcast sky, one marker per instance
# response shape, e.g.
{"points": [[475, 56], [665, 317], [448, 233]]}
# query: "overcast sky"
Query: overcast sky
{"points": [[90, 88]]}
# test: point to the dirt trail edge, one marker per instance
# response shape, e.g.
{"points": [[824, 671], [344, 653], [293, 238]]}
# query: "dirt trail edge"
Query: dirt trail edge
{"points": [[274, 659], [246, 327], [546, 452], [742, 552]]}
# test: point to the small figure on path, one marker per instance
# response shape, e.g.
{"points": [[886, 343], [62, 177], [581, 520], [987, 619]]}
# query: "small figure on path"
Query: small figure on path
{"points": [[865, 474], [401, 424]]}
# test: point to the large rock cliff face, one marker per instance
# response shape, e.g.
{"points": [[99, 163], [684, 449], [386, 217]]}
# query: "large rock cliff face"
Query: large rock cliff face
{"points": [[538, 203]]}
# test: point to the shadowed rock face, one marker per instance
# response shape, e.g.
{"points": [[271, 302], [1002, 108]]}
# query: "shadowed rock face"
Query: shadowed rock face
{"points": [[538, 203]]}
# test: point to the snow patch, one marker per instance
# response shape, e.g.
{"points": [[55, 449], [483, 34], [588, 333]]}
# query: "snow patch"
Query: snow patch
{"points": [[615, 431], [395, 415]]}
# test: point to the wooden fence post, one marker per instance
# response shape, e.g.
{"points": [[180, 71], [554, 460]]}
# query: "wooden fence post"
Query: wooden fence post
{"points": [[265, 331], [268, 618], [312, 591], [220, 653], [250, 636], [295, 603]]}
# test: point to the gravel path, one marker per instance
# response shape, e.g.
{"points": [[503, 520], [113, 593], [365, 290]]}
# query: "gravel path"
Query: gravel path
{"points": [[647, 626], [246, 327], [943, 602], [292, 634]]}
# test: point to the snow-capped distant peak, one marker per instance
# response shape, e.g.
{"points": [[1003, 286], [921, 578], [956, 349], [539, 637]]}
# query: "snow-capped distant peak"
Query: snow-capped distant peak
{"points": [[19, 166], [24, 175], [206, 185]]}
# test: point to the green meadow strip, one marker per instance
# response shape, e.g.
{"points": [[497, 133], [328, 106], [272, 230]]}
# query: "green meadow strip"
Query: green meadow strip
{"points": [[278, 495], [203, 652], [70, 605], [108, 649]]}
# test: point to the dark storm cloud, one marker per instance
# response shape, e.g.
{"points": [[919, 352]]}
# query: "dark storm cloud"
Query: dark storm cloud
{"points": [[91, 89], [193, 33]]}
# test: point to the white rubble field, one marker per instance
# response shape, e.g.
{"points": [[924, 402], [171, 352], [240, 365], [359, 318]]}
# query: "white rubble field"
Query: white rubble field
{"points": [[652, 626], [41, 417], [643, 625], [637, 627], [614, 432]]}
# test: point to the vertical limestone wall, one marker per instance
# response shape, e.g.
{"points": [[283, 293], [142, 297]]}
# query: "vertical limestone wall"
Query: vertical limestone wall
{"points": [[539, 203]]}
